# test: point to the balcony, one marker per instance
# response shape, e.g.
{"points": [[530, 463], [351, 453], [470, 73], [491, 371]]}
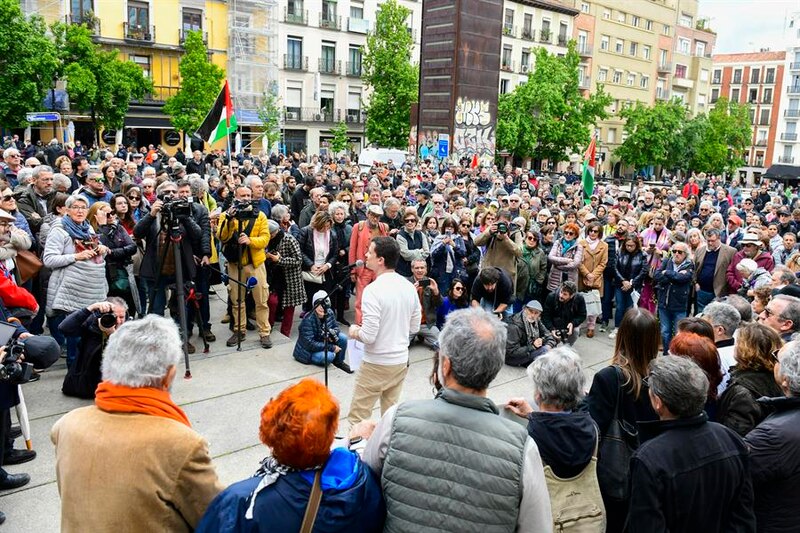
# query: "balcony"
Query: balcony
{"points": [[312, 114], [562, 40], [88, 18], [791, 137], [663, 95], [665, 67], [788, 159], [295, 62], [330, 22], [683, 82], [353, 69], [760, 142], [793, 89], [545, 36], [795, 65], [183, 33], [585, 84], [355, 116], [330, 66], [585, 50], [299, 16], [357, 25], [716, 81], [509, 30], [769, 80], [139, 33], [792, 113], [507, 65], [159, 95], [528, 34]]}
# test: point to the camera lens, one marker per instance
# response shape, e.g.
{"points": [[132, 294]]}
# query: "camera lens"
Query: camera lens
{"points": [[108, 320]]}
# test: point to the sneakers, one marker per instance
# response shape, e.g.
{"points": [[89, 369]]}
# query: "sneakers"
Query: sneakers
{"points": [[266, 342], [341, 365], [613, 334], [235, 338], [225, 319], [209, 337], [602, 327], [190, 348]]}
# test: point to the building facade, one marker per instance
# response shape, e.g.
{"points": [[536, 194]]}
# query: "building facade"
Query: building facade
{"points": [[755, 79], [787, 141]]}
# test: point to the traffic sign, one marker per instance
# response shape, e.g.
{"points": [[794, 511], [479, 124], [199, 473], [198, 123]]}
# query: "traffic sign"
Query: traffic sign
{"points": [[47, 116], [444, 146]]}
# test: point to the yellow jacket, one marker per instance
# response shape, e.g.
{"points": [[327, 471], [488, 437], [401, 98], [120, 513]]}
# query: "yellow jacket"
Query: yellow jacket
{"points": [[259, 237]]}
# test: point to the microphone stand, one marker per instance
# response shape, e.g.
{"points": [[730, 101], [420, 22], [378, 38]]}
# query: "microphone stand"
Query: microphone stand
{"points": [[326, 305]]}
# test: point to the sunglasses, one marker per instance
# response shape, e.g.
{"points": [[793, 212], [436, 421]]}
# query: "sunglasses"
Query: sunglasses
{"points": [[347, 199], [466, 225], [678, 252], [594, 231], [7, 197], [774, 355], [569, 233], [459, 289], [410, 220], [438, 203]]}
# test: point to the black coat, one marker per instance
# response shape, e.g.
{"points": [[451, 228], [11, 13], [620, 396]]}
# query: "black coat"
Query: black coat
{"points": [[148, 229], [602, 399], [306, 241], [519, 348], [630, 267], [610, 272], [557, 315], [737, 408], [674, 284], [690, 475], [566, 441], [775, 466], [84, 375]]}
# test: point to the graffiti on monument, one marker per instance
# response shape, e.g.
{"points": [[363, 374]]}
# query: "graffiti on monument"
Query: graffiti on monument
{"points": [[474, 131], [426, 143]]}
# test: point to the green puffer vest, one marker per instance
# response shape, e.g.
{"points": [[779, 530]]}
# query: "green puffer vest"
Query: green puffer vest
{"points": [[453, 464]]}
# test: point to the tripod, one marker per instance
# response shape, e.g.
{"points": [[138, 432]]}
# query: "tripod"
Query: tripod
{"points": [[326, 305]]}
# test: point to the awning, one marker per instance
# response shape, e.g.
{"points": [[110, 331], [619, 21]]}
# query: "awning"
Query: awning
{"points": [[158, 123], [782, 172]]}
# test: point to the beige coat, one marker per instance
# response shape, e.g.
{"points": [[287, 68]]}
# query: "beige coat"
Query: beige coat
{"points": [[724, 259], [501, 252], [594, 262], [130, 473]]}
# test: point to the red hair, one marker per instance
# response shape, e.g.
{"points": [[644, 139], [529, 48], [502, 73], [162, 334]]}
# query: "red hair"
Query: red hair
{"points": [[299, 424], [702, 351], [572, 227]]}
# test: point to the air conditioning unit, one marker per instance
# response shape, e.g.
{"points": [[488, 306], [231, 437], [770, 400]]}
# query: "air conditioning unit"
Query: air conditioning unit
{"points": [[318, 117], [525, 69], [292, 115]]}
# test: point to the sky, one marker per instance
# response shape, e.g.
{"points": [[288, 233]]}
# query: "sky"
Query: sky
{"points": [[747, 25]]}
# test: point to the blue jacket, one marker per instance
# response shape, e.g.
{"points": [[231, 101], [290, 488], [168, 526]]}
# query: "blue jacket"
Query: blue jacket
{"points": [[351, 501], [439, 253], [310, 339], [674, 283]]}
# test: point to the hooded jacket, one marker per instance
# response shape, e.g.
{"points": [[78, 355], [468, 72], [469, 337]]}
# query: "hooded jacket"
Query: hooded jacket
{"points": [[566, 440]]}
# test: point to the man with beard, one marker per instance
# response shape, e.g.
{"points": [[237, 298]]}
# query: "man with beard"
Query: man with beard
{"points": [[528, 338], [615, 242], [751, 248]]}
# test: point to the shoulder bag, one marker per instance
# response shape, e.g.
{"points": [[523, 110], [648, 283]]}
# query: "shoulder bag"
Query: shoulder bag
{"points": [[313, 504], [28, 264], [613, 466]]}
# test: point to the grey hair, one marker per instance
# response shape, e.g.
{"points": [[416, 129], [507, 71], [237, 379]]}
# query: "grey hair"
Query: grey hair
{"points": [[278, 212], [790, 366], [41, 168], [94, 172], [25, 175], [249, 180], [558, 377], [337, 205], [116, 301], [391, 202], [787, 277], [792, 309], [723, 314], [163, 185], [197, 184], [61, 180], [713, 231], [75, 198], [747, 265], [140, 352], [741, 304], [680, 383], [475, 342]]}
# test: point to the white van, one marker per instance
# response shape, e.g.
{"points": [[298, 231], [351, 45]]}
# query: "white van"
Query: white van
{"points": [[370, 156]]}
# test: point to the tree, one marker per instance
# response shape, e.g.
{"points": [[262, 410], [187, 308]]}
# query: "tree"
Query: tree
{"points": [[685, 146], [270, 115], [650, 132], [722, 145], [200, 85], [546, 117], [390, 76], [98, 82], [28, 62], [340, 139]]}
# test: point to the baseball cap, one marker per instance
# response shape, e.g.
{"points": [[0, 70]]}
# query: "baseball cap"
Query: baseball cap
{"points": [[319, 296], [534, 304]]}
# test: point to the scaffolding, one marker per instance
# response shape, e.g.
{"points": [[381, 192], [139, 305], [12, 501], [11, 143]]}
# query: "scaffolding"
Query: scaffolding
{"points": [[252, 59], [49, 10]]}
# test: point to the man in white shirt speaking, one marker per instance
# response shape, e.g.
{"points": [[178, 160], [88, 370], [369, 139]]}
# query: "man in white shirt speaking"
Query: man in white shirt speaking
{"points": [[391, 314]]}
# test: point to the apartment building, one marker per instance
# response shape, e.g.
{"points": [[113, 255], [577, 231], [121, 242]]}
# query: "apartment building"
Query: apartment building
{"points": [[691, 58], [527, 25], [755, 79], [787, 141]]}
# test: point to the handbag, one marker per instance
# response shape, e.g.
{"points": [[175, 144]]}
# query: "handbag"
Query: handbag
{"points": [[312, 278], [28, 264], [313, 504], [613, 466]]}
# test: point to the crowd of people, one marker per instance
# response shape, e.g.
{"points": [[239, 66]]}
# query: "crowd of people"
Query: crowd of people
{"points": [[695, 279]]}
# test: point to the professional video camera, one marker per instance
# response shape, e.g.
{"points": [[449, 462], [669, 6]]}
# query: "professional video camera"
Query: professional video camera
{"points": [[244, 210], [175, 208], [502, 227], [11, 369]]}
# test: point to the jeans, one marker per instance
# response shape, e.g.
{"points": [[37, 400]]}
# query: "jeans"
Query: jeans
{"points": [[490, 307], [624, 302], [669, 321], [158, 304], [703, 299], [608, 298], [71, 342], [323, 358]]}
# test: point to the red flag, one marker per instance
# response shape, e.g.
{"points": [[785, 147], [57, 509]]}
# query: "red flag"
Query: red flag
{"points": [[228, 105], [474, 163]]}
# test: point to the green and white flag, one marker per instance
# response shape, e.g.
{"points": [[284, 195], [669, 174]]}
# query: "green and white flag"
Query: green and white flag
{"points": [[221, 120], [589, 161]]}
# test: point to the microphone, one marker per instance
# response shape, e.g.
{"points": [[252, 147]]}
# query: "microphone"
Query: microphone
{"points": [[357, 264]]}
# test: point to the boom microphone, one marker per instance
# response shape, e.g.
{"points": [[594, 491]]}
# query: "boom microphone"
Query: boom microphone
{"points": [[357, 264]]}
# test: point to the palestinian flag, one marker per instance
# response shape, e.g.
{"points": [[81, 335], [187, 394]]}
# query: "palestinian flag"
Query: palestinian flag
{"points": [[221, 120], [588, 171]]}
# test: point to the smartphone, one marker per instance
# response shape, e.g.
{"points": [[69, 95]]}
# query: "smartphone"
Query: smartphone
{"points": [[7, 331]]}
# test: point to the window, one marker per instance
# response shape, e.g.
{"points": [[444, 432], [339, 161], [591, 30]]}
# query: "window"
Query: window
{"points": [[562, 33], [617, 76], [631, 79], [764, 120], [770, 77], [545, 31], [633, 49], [752, 96], [527, 26], [602, 74], [699, 48], [606, 13], [680, 71], [662, 56], [508, 22], [357, 12], [646, 51], [80, 10], [294, 53], [621, 17], [735, 95], [737, 76], [686, 20], [684, 45], [142, 61], [525, 60], [767, 96], [714, 95], [644, 82], [752, 114], [354, 60], [584, 7], [619, 47], [604, 42], [354, 104], [583, 40], [717, 76], [703, 74], [660, 92], [665, 29], [328, 11], [192, 20], [327, 57], [635, 21], [504, 86], [294, 99], [648, 25], [505, 62], [755, 75], [138, 18], [612, 136]]}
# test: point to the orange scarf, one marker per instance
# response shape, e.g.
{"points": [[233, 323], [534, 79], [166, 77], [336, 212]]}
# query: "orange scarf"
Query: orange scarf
{"points": [[114, 398]]}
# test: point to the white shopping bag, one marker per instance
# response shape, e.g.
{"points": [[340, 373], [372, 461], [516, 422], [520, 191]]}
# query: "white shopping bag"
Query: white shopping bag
{"points": [[355, 353], [635, 297]]}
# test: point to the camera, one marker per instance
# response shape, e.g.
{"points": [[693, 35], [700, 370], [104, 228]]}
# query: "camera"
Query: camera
{"points": [[12, 370], [563, 334], [331, 335], [244, 210], [175, 208], [108, 320], [425, 282], [502, 227]]}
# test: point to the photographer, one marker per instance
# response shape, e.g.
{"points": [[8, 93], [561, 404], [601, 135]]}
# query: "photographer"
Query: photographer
{"points": [[94, 325], [156, 229], [310, 346], [503, 243], [493, 291], [244, 233], [564, 312], [430, 298], [528, 338]]}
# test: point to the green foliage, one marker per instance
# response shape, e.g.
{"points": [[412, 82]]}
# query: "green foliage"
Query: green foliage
{"points": [[547, 117], [200, 85], [392, 79], [28, 63], [98, 82], [269, 113], [650, 133], [340, 139], [721, 148]]}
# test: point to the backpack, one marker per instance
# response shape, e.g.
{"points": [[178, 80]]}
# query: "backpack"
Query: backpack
{"points": [[576, 503]]}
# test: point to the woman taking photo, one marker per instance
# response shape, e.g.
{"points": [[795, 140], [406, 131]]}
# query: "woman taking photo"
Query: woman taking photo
{"points": [[121, 250], [565, 258], [320, 251], [447, 253], [620, 392]]}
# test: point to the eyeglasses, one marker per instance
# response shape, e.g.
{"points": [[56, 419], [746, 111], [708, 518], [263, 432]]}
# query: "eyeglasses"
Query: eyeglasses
{"points": [[459, 289], [347, 199], [438, 203], [530, 238], [594, 231], [14, 155], [79, 207], [132, 198], [515, 201], [678, 252], [466, 225], [410, 220]]}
